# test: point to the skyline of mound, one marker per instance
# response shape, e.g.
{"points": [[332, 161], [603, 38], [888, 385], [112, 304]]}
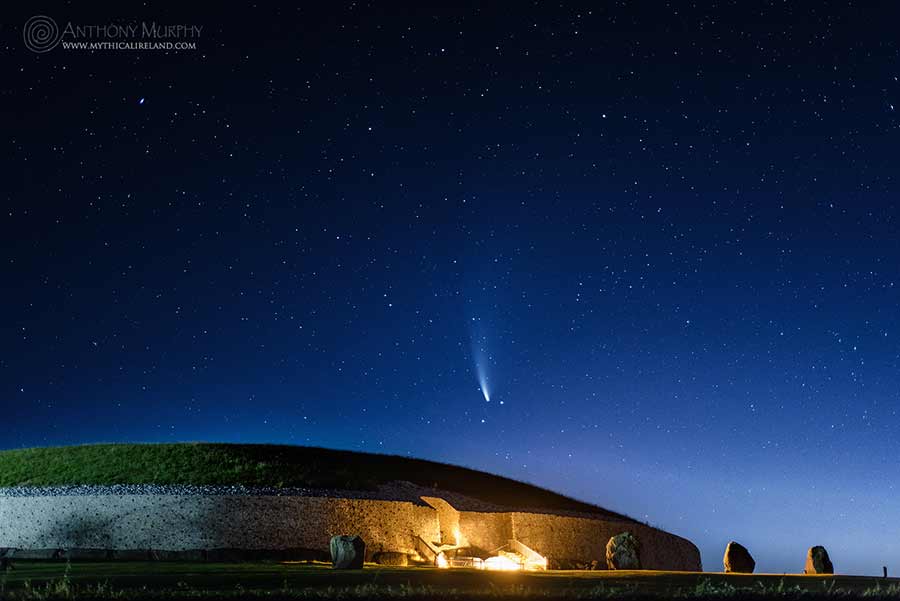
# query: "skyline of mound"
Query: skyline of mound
{"points": [[279, 466]]}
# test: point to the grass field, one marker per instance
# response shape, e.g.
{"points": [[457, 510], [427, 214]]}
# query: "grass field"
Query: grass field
{"points": [[262, 465], [284, 581]]}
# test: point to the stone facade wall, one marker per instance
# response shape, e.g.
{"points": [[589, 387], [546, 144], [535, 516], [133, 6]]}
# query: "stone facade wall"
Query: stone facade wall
{"points": [[487, 531], [448, 518], [166, 522], [565, 538], [206, 522], [669, 552]]}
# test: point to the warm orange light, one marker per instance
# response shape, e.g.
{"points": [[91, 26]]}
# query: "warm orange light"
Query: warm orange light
{"points": [[441, 561], [503, 563], [458, 535]]}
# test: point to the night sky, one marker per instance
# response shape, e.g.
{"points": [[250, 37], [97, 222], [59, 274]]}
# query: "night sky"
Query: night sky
{"points": [[644, 255]]}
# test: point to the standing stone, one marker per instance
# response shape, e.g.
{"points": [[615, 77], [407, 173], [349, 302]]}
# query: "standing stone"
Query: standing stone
{"points": [[738, 559], [347, 552], [818, 562], [623, 552]]}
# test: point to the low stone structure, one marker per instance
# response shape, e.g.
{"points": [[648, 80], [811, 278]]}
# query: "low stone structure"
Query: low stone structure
{"points": [[233, 523], [738, 559], [817, 561], [391, 558]]}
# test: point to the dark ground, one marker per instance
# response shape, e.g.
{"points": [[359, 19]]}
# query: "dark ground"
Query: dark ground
{"points": [[283, 580]]}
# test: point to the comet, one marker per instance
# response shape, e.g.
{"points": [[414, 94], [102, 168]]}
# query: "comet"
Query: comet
{"points": [[483, 382], [481, 360]]}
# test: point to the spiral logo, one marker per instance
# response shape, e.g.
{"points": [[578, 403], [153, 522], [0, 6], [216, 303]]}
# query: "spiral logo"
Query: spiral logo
{"points": [[41, 34]]}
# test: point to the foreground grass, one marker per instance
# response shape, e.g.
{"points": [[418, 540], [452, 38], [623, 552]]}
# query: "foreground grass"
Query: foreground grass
{"points": [[189, 581], [262, 465]]}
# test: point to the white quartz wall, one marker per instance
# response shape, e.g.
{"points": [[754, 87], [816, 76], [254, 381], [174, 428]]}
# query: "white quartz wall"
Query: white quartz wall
{"points": [[181, 522], [191, 522]]}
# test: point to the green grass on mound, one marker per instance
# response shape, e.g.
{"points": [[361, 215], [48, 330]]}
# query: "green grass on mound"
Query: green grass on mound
{"points": [[263, 465]]}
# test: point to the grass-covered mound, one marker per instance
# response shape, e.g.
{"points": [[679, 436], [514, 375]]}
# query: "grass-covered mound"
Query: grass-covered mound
{"points": [[263, 465]]}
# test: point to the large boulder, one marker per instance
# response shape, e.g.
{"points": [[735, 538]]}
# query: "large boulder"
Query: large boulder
{"points": [[347, 552], [738, 559], [623, 552], [818, 562]]}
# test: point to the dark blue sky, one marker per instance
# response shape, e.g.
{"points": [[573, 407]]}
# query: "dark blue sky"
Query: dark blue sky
{"points": [[665, 236]]}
